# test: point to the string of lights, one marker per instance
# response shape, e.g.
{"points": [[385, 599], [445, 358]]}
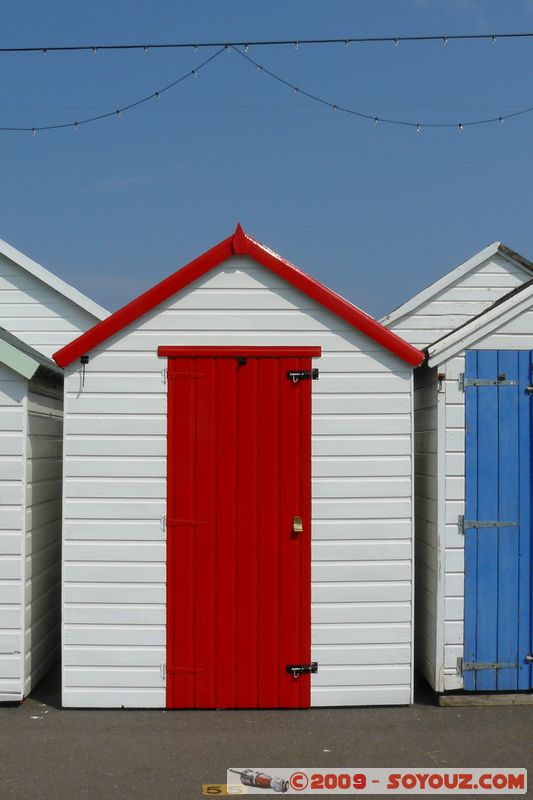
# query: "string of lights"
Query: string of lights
{"points": [[372, 117], [243, 53], [118, 111], [345, 40]]}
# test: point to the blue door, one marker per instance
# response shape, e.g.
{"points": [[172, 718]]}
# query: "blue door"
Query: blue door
{"points": [[497, 522]]}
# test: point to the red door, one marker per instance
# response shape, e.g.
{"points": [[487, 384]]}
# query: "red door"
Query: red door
{"points": [[238, 570]]}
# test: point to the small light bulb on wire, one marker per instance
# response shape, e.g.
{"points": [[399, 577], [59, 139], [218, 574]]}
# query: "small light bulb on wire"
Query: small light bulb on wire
{"points": [[145, 49], [493, 40], [33, 131], [376, 120], [396, 42], [418, 128], [461, 126], [501, 120], [76, 126], [296, 45], [157, 95], [246, 46], [445, 40]]}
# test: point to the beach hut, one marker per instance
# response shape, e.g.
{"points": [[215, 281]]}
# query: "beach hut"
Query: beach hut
{"points": [[237, 495], [45, 312], [473, 473]]}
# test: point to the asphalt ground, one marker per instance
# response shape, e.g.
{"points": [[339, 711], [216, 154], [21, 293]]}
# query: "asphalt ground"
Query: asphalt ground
{"points": [[49, 753]]}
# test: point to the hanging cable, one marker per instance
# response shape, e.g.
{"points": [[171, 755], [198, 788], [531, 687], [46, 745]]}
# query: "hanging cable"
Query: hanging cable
{"points": [[118, 111], [375, 119]]}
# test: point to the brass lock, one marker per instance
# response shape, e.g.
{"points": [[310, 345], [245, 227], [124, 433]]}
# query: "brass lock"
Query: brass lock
{"points": [[297, 525]]}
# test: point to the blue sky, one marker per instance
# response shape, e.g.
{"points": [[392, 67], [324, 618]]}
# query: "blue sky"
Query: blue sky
{"points": [[376, 212]]}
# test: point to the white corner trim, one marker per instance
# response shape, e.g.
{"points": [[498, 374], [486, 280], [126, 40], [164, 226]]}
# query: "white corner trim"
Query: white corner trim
{"points": [[52, 280]]}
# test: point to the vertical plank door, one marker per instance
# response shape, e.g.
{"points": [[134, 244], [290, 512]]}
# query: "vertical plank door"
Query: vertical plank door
{"points": [[497, 525], [238, 576]]}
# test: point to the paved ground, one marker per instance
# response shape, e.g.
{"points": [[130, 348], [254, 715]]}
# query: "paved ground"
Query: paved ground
{"points": [[49, 754]]}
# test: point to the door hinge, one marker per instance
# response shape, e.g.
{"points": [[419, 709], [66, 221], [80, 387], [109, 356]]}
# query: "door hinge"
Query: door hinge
{"points": [[164, 374], [465, 383], [464, 524], [163, 521], [300, 669], [529, 658], [296, 375], [477, 665], [163, 671], [459, 668]]}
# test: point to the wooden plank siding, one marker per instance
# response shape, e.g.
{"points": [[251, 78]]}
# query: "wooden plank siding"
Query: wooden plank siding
{"points": [[36, 313], [459, 302], [12, 428], [426, 542], [43, 529], [115, 496]]}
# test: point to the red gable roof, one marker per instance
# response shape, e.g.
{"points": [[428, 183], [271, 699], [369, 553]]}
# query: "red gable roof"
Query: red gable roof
{"points": [[238, 244]]}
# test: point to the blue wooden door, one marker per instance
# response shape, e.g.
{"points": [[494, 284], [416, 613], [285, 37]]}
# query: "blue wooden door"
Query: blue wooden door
{"points": [[497, 523]]}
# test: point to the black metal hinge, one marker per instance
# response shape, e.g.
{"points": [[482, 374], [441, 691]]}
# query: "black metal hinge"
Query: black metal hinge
{"points": [[296, 375], [300, 669]]}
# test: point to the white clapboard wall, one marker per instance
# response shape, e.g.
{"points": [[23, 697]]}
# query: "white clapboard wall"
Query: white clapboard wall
{"points": [[38, 307], [439, 453], [115, 496], [42, 553], [452, 304], [13, 390], [44, 312], [30, 530]]}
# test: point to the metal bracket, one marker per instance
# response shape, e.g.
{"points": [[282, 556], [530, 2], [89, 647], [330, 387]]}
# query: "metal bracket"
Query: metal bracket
{"points": [[296, 375], [477, 665], [465, 383], [476, 524], [300, 669]]}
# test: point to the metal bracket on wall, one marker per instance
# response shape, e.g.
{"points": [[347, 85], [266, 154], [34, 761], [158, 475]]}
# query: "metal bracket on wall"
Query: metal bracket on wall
{"points": [[470, 523], [468, 382], [296, 375], [300, 669], [465, 666]]}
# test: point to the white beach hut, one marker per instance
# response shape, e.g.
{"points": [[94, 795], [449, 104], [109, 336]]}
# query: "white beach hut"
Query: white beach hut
{"points": [[237, 495], [473, 473], [44, 312]]}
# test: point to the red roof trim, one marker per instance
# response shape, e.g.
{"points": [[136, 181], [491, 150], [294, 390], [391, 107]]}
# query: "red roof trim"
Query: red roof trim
{"points": [[239, 244]]}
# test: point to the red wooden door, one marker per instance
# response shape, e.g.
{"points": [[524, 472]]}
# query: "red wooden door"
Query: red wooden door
{"points": [[238, 577]]}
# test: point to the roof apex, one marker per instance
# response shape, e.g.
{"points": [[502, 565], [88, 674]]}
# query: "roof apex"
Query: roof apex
{"points": [[239, 243]]}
